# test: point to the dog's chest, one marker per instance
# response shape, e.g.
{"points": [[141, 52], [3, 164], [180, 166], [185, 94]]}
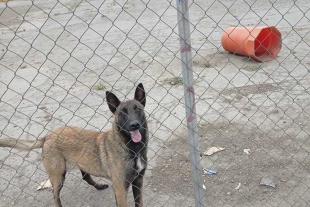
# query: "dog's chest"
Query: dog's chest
{"points": [[139, 164]]}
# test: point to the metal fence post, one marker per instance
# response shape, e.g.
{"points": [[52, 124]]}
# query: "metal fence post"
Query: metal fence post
{"points": [[188, 84]]}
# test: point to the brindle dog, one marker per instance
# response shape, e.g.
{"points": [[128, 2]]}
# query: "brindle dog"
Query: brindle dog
{"points": [[118, 154]]}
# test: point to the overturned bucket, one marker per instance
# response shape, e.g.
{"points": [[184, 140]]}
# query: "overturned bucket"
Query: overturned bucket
{"points": [[259, 43]]}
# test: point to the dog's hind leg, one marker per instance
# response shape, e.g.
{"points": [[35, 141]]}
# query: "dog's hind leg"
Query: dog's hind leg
{"points": [[57, 183], [91, 182], [55, 166]]}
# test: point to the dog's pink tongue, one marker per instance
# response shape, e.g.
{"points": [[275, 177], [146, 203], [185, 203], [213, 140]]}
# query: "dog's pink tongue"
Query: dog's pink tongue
{"points": [[135, 136]]}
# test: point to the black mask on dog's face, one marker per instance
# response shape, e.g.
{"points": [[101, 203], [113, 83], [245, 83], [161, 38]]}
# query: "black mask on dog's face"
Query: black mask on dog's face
{"points": [[129, 115]]}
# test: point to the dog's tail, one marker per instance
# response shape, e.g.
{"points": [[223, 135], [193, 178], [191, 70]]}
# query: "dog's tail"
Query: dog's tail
{"points": [[21, 144]]}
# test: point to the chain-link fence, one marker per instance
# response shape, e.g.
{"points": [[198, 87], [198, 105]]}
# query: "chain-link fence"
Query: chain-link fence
{"points": [[59, 57]]}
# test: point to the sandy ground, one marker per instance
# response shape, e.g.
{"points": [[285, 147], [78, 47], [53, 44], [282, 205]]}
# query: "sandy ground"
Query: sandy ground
{"points": [[57, 58]]}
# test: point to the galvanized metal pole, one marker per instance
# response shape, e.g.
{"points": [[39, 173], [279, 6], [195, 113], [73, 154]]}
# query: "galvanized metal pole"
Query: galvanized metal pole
{"points": [[188, 83]]}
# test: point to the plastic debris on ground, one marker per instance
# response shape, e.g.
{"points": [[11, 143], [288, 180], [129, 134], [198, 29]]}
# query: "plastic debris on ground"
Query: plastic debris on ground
{"points": [[247, 151], [45, 185], [209, 171], [268, 181], [238, 187], [212, 150]]}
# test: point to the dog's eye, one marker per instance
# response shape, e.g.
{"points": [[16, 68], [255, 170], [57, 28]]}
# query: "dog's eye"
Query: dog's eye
{"points": [[124, 110]]}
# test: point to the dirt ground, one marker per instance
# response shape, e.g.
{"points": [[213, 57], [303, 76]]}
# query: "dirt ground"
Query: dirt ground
{"points": [[57, 59]]}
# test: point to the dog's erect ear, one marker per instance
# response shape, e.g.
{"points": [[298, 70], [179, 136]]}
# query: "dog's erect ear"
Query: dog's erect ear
{"points": [[140, 94], [113, 101]]}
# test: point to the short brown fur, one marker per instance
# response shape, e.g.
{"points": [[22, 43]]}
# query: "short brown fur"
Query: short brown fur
{"points": [[109, 154]]}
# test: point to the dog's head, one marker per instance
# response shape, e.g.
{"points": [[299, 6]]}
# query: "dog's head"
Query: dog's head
{"points": [[129, 115]]}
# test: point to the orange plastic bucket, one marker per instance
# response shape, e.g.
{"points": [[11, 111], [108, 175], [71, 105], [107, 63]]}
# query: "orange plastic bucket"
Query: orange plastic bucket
{"points": [[260, 43]]}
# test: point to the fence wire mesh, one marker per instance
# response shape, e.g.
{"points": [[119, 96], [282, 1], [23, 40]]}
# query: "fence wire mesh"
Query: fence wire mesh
{"points": [[58, 57]]}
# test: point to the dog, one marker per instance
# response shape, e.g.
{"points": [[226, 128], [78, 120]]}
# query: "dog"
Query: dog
{"points": [[118, 154]]}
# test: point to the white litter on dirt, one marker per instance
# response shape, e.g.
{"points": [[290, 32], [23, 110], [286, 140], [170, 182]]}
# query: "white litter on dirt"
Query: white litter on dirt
{"points": [[212, 150], [247, 151], [44, 185], [238, 187]]}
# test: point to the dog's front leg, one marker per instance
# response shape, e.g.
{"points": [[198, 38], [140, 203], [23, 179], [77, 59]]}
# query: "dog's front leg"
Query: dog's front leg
{"points": [[120, 191], [137, 185]]}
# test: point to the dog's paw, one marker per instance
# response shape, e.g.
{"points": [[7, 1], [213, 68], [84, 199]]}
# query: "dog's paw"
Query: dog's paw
{"points": [[101, 186]]}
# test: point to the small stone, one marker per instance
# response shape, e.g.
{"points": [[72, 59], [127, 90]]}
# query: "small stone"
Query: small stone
{"points": [[47, 117], [268, 181], [155, 189], [23, 66], [228, 193]]}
